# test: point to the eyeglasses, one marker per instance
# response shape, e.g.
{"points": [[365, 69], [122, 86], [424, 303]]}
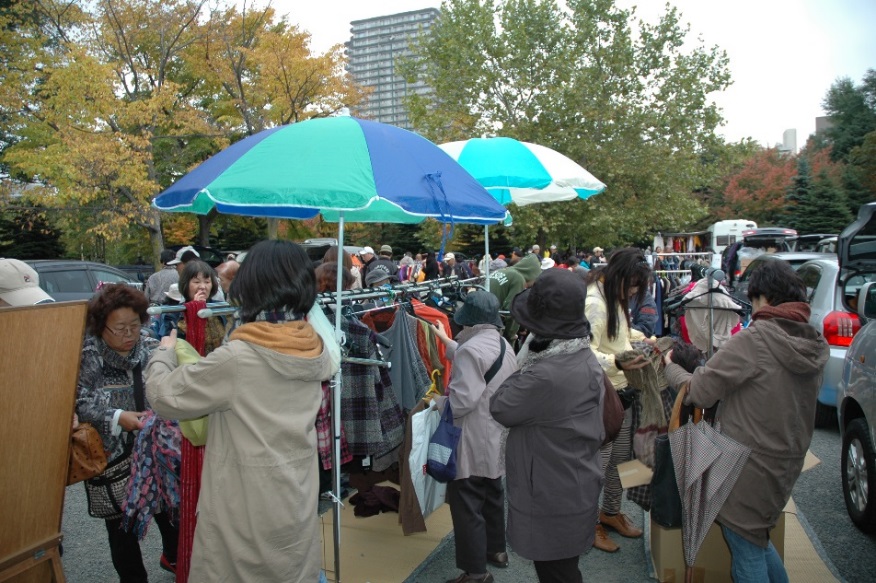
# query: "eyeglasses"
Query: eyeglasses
{"points": [[125, 331]]}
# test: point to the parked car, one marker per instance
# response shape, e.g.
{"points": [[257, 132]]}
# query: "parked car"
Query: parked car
{"points": [[137, 272], [317, 247], [809, 242], [212, 257], [739, 289], [833, 286], [67, 280], [755, 242], [856, 404]]}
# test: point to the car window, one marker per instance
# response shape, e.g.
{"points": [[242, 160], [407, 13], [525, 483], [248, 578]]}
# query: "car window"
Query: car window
{"points": [[852, 286], [102, 275], [70, 281], [811, 275]]}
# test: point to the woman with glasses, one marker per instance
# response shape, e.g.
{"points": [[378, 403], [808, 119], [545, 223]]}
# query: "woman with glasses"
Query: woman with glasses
{"points": [[113, 358]]}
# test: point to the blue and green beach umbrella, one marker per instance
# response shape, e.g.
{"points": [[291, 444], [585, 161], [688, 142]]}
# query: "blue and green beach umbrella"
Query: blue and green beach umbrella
{"points": [[370, 172]]}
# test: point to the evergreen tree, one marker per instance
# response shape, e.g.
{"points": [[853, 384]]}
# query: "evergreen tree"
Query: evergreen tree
{"points": [[825, 209], [797, 193], [26, 234]]}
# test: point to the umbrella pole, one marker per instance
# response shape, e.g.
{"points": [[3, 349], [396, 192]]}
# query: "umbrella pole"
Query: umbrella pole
{"points": [[336, 410], [487, 253]]}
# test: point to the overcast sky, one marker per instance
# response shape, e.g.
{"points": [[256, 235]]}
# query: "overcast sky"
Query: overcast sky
{"points": [[784, 54]]}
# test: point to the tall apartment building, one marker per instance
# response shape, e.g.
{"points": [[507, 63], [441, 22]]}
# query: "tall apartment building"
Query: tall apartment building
{"points": [[373, 53]]}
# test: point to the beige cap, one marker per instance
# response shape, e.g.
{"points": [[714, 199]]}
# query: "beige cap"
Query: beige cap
{"points": [[20, 284]]}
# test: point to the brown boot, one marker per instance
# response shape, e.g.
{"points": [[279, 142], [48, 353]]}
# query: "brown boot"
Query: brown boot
{"points": [[603, 542], [621, 524]]}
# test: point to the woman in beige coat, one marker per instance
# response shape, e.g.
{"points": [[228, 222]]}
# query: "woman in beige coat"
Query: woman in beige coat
{"points": [[257, 514]]}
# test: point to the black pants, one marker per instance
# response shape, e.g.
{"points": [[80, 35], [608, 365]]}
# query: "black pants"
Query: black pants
{"points": [[477, 507], [559, 571], [125, 548]]}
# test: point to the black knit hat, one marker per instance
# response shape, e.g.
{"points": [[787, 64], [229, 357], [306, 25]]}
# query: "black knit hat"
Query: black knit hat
{"points": [[554, 306]]}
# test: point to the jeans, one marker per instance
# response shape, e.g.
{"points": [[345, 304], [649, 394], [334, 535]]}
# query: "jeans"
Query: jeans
{"points": [[750, 563]]}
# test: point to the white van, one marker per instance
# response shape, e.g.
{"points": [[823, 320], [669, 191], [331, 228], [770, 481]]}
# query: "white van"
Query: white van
{"points": [[725, 233]]}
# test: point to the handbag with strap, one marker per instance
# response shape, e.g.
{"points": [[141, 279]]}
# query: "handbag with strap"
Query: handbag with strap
{"points": [[107, 492], [612, 411], [441, 459], [87, 457]]}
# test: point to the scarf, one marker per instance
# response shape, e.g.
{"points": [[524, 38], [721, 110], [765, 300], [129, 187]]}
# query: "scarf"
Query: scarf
{"points": [[794, 311], [196, 328], [558, 346], [154, 484]]}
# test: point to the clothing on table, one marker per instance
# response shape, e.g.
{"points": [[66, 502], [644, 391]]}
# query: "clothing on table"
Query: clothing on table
{"points": [[767, 379]]}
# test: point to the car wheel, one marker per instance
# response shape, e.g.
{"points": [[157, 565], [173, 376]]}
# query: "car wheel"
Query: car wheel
{"points": [[825, 416], [859, 475]]}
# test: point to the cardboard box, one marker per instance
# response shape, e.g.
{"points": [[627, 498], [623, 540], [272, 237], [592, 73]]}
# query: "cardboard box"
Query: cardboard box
{"points": [[713, 560]]}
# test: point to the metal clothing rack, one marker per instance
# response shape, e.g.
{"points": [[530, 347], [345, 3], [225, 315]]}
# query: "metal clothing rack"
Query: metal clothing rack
{"points": [[403, 288]]}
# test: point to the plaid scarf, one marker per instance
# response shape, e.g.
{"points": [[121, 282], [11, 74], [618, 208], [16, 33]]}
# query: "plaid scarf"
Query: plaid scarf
{"points": [[155, 466]]}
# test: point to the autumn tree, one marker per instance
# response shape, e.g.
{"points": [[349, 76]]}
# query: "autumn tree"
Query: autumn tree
{"points": [[111, 101], [626, 99], [757, 191]]}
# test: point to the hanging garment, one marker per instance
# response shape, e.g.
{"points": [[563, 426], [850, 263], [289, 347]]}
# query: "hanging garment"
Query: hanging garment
{"points": [[372, 420], [410, 379], [658, 242], [697, 318], [435, 315], [324, 431]]}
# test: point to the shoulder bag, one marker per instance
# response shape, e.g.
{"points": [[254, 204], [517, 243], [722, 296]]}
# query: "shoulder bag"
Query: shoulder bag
{"points": [[108, 491], [87, 457], [441, 459]]}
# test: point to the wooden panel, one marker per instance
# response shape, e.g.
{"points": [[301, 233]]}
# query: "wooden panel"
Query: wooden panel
{"points": [[40, 348]]}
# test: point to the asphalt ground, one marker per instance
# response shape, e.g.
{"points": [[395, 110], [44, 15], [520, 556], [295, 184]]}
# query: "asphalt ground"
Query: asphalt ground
{"points": [[818, 494]]}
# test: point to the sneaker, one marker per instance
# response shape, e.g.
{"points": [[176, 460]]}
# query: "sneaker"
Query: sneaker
{"points": [[167, 565]]}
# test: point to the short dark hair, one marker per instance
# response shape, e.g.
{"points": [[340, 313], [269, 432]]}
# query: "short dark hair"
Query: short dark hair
{"points": [[193, 269], [167, 255], [112, 297], [188, 256], [776, 281], [331, 256], [277, 275]]}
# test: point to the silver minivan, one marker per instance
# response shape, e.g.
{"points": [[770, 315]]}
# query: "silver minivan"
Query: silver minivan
{"points": [[856, 391]]}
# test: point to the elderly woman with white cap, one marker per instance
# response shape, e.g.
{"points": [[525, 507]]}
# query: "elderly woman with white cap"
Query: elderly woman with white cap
{"points": [[482, 360], [553, 407]]}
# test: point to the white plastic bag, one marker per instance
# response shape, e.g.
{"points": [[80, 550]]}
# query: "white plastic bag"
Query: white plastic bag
{"points": [[430, 492], [327, 332]]}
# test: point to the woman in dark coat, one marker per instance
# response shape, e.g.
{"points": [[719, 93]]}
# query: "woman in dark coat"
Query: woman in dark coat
{"points": [[553, 407]]}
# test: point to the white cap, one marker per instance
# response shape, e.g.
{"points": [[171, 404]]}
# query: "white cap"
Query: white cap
{"points": [[20, 284], [366, 250], [449, 255], [180, 253], [173, 293], [547, 263]]}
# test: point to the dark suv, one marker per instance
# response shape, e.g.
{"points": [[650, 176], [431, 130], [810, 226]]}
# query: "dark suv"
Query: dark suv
{"points": [[67, 280]]}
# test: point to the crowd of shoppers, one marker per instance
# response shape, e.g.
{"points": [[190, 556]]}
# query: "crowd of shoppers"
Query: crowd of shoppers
{"points": [[538, 342]]}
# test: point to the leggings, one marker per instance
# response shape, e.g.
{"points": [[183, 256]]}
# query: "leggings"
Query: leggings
{"points": [[614, 453]]}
